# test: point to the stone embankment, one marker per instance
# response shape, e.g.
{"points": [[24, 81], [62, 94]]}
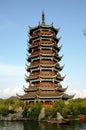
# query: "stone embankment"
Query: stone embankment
{"points": [[13, 117]]}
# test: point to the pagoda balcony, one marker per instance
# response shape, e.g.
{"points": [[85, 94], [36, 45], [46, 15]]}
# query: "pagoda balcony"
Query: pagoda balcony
{"points": [[42, 52], [42, 46], [40, 80], [41, 31], [47, 54], [47, 36], [46, 68], [48, 44], [35, 69], [44, 40], [44, 32], [45, 76], [46, 79], [47, 65], [40, 36], [50, 27], [46, 48], [44, 88], [49, 95], [45, 57], [46, 51], [31, 89], [32, 66]]}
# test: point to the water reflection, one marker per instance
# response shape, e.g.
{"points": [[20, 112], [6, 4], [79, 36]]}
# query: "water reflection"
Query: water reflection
{"points": [[49, 126], [43, 126], [32, 125], [11, 125]]}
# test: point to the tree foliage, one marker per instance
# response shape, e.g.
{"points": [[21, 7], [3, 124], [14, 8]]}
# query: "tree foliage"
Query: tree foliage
{"points": [[9, 105], [74, 107]]}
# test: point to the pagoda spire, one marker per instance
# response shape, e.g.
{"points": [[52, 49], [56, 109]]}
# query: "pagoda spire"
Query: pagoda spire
{"points": [[43, 18]]}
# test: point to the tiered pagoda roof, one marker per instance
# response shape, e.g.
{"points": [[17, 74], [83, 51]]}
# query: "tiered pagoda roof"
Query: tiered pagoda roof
{"points": [[44, 78]]}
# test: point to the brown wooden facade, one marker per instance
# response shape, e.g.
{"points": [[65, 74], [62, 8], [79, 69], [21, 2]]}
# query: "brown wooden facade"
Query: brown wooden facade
{"points": [[44, 78]]}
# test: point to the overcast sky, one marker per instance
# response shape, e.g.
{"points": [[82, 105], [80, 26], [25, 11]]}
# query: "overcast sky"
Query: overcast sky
{"points": [[15, 18]]}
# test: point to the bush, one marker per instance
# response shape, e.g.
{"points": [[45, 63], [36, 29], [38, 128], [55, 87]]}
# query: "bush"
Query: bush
{"points": [[35, 111]]}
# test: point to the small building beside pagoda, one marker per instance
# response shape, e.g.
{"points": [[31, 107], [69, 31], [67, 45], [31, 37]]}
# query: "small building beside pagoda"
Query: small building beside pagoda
{"points": [[44, 78]]}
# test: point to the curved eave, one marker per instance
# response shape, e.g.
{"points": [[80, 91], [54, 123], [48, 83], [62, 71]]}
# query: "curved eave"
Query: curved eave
{"points": [[31, 77], [60, 78], [61, 89], [25, 97], [27, 78], [58, 57], [56, 30], [32, 29], [57, 67], [66, 96], [32, 57], [43, 26], [32, 47], [40, 54], [39, 46], [57, 48], [45, 57], [40, 36], [32, 67], [57, 80], [56, 39], [30, 89]]}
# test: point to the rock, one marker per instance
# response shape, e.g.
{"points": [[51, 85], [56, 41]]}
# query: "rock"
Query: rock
{"points": [[59, 116], [42, 114]]}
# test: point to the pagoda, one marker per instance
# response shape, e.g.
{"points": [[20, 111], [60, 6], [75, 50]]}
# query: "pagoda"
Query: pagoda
{"points": [[44, 78]]}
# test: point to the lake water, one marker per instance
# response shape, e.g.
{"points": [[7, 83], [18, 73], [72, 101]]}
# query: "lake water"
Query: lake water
{"points": [[31, 125]]}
